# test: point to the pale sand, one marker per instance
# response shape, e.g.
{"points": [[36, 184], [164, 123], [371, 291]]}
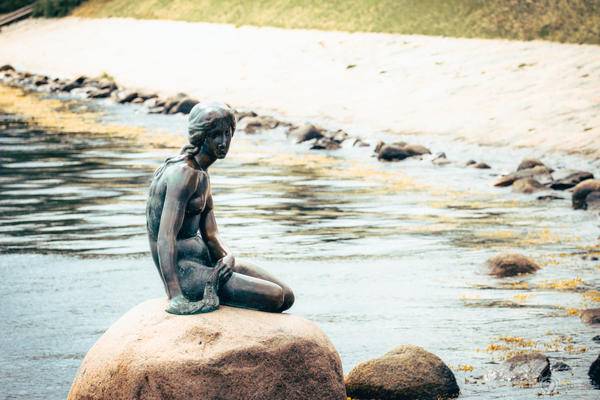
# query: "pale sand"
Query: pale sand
{"points": [[537, 93]]}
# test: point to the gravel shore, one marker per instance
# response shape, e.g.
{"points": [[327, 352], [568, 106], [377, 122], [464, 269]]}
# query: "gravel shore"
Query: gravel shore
{"points": [[540, 94]]}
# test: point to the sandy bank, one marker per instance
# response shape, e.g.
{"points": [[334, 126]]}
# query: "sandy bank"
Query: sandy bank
{"points": [[487, 91]]}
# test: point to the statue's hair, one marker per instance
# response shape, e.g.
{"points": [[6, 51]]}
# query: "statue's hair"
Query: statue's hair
{"points": [[203, 118]]}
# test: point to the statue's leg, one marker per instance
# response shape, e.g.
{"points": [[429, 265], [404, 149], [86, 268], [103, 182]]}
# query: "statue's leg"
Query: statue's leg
{"points": [[250, 292], [252, 270]]}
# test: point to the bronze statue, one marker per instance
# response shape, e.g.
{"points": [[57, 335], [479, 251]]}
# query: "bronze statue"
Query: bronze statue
{"points": [[197, 269]]}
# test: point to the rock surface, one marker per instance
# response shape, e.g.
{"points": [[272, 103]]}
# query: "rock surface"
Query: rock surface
{"points": [[584, 190], [526, 369], [505, 265], [591, 316], [571, 180], [407, 372], [228, 354], [527, 186], [529, 163], [594, 372]]}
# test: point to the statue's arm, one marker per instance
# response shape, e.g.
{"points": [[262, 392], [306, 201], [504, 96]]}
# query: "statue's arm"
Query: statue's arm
{"points": [[180, 188], [210, 233]]}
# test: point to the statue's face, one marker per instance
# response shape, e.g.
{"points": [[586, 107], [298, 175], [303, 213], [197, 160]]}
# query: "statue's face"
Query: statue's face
{"points": [[218, 139]]}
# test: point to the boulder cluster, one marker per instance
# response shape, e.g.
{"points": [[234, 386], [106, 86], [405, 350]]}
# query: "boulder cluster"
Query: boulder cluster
{"points": [[532, 176]]}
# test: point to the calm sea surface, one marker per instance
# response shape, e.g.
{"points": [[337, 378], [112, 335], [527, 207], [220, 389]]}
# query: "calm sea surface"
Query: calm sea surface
{"points": [[378, 254]]}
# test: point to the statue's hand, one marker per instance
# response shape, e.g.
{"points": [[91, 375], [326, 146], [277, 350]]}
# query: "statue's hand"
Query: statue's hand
{"points": [[179, 305], [224, 268]]}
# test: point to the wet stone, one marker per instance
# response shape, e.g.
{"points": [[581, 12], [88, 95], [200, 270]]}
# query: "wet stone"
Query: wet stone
{"points": [[407, 372], [560, 366], [507, 265], [591, 316]]}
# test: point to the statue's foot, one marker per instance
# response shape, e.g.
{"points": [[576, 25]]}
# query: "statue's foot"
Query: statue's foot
{"points": [[179, 305]]}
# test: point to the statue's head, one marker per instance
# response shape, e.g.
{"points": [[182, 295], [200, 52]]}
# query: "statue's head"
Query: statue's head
{"points": [[211, 127]]}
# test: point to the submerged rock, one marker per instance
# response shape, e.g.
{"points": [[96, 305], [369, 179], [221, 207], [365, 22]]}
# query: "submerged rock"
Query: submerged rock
{"points": [[506, 265], [585, 193], [306, 132], [571, 180], [184, 106], [527, 185], [407, 372], [560, 366], [541, 173], [392, 152], [591, 316], [325, 143], [258, 123], [228, 354]]}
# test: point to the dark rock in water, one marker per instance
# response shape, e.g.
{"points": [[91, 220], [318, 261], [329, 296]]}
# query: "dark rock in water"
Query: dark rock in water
{"points": [[40, 80], [124, 96], [596, 339], [74, 84], [584, 190], [560, 366], [594, 373], [549, 197], [529, 163], [173, 101], [470, 162], [527, 185], [100, 93], [571, 180], [184, 106], [407, 372], [6, 67], [440, 159], [506, 265], [591, 316], [393, 152], [229, 354], [527, 369], [306, 133], [482, 165], [542, 174], [338, 136], [325, 143], [259, 123]]}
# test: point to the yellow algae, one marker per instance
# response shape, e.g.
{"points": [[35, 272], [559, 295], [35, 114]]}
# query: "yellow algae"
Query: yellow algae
{"points": [[572, 312], [522, 296], [517, 341], [55, 115], [465, 367], [497, 347], [592, 295], [562, 284]]}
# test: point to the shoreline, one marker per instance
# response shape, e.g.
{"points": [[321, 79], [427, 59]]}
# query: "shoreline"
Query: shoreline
{"points": [[351, 81]]}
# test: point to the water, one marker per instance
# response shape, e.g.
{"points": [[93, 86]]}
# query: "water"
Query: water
{"points": [[378, 254]]}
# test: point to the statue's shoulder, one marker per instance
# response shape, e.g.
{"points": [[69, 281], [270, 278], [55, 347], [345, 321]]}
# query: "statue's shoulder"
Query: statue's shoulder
{"points": [[183, 174]]}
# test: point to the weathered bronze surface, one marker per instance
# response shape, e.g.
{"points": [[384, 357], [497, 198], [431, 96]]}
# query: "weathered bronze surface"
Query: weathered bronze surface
{"points": [[197, 269]]}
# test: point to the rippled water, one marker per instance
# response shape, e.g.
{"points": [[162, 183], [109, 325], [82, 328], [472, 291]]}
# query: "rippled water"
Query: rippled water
{"points": [[378, 254]]}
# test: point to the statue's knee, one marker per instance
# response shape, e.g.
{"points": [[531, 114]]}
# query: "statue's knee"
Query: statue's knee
{"points": [[288, 299]]}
